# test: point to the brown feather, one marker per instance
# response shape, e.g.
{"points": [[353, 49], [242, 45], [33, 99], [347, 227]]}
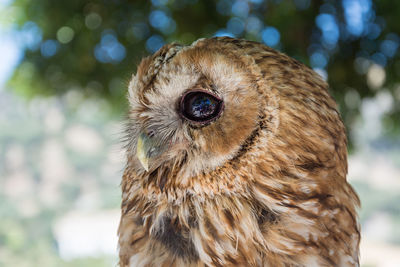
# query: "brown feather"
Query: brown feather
{"points": [[262, 185]]}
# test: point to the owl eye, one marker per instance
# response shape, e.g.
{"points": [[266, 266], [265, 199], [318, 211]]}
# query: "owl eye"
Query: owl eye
{"points": [[200, 106]]}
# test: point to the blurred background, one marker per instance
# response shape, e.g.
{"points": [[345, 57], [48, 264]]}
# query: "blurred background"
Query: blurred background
{"points": [[64, 69]]}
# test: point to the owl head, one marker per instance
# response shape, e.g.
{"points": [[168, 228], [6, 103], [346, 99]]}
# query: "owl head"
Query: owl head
{"points": [[197, 109], [191, 106]]}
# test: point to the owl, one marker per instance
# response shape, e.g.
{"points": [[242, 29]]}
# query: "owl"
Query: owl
{"points": [[236, 156]]}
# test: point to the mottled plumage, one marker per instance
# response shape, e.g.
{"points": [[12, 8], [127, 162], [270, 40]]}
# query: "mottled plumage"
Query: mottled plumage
{"points": [[260, 183]]}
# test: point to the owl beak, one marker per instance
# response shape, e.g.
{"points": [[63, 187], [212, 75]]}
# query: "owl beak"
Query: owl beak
{"points": [[146, 149], [141, 152]]}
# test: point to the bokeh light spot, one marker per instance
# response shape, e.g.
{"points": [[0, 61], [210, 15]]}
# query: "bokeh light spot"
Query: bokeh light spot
{"points": [[109, 50], [357, 13], [49, 48], [240, 8], [223, 32], [379, 58], [361, 65], [318, 60], [161, 21], [158, 19], [93, 21], [389, 47], [329, 29], [374, 30], [154, 43], [31, 35], [270, 36], [253, 24], [235, 26], [352, 99], [376, 76], [65, 35]]}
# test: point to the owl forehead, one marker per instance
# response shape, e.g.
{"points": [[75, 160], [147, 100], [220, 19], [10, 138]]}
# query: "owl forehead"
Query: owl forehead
{"points": [[170, 83], [191, 69]]}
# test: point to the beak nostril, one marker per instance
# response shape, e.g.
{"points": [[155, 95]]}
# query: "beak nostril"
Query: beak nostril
{"points": [[150, 133]]}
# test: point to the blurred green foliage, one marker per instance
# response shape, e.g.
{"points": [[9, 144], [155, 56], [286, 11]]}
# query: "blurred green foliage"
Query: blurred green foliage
{"points": [[95, 46]]}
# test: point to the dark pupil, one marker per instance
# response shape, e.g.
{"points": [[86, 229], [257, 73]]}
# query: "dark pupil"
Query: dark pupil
{"points": [[202, 107]]}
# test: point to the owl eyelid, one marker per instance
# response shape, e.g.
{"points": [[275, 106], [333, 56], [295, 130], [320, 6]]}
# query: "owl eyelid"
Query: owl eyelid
{"points": [[216, 115]]}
